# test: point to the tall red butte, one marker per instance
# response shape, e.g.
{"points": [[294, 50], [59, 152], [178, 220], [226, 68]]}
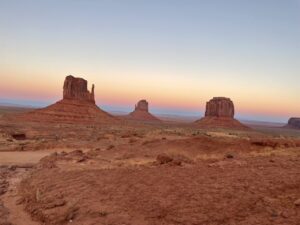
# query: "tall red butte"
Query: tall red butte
{"points": [[77, 105], [219, 113]]}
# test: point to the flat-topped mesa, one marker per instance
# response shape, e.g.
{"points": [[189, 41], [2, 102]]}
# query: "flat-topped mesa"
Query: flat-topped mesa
{"points": [[220, 107], [76, 89], [220, 114], [142, 105], [294, 122]]}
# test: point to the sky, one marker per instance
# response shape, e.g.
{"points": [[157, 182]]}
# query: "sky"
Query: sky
{"points": [[177, 54]]}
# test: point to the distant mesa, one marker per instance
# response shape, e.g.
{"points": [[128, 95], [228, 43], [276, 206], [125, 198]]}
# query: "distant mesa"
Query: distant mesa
{"points": [[141, 112], [219, 113], [220, 107], [78, 105], [294, 122]]}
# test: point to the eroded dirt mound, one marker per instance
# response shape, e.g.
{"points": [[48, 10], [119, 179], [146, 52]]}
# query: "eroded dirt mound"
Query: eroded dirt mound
{"points": [[252, 192], [197, 180], [4, 212]]}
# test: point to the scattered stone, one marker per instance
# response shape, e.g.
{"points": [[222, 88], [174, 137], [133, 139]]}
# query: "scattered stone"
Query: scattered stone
{"points": [[103, 214], [284, 214], [77, 152], [229, 156], [110, 147], [163, 159], [176, 162], [19, 136], [81, 159], [297, 202]]}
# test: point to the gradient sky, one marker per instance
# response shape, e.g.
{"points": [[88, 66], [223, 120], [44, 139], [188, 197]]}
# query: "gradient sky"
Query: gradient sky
{"points": [[175, 54]]}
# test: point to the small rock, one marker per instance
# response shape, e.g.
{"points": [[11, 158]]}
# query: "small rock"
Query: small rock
{"points": [[81, 159], [284, 214], [177, 162], [297, 202], [163, 159], [110, 147], [229, 156]]}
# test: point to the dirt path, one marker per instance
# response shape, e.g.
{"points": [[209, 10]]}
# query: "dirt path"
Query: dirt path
{"points": [[23, 158], [14, 213]]}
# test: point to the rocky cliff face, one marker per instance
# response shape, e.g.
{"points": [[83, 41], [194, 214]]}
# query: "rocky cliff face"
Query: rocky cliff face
{"points": [[220, 114], [76, 89], [142, 105], [294, 122], [220, 107]]}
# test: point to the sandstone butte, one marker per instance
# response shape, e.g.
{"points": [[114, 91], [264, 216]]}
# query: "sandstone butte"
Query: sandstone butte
{"points": [[219, 113], [294, 122], [141, 112], [78, 105]]}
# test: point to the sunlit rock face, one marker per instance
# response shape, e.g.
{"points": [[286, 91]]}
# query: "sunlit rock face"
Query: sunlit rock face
{"points": [[220, 107], [76, 89]]}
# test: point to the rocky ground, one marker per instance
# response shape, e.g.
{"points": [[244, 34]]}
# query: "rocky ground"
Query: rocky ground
{"points": [[142, 173]]}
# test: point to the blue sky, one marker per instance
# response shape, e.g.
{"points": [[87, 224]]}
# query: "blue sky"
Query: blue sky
{"points": [[177, 54]]}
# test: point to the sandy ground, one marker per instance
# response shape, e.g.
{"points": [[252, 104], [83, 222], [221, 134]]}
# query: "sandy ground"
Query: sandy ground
{"points": [[153, 174], [21, 158]]}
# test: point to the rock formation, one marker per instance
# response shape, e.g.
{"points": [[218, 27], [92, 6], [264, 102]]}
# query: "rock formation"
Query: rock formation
{"points": [[294, 122], [220, 107], [77, 105], [141, 112], [219, 113], [76, 89], [142, 105]]}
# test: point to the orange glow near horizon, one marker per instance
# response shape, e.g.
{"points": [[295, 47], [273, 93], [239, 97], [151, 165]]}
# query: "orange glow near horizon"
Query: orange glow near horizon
{"points": [[166, 94], [110, 92]]}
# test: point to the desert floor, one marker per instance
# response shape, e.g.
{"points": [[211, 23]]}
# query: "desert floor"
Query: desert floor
{"points": [[138, 173]]}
